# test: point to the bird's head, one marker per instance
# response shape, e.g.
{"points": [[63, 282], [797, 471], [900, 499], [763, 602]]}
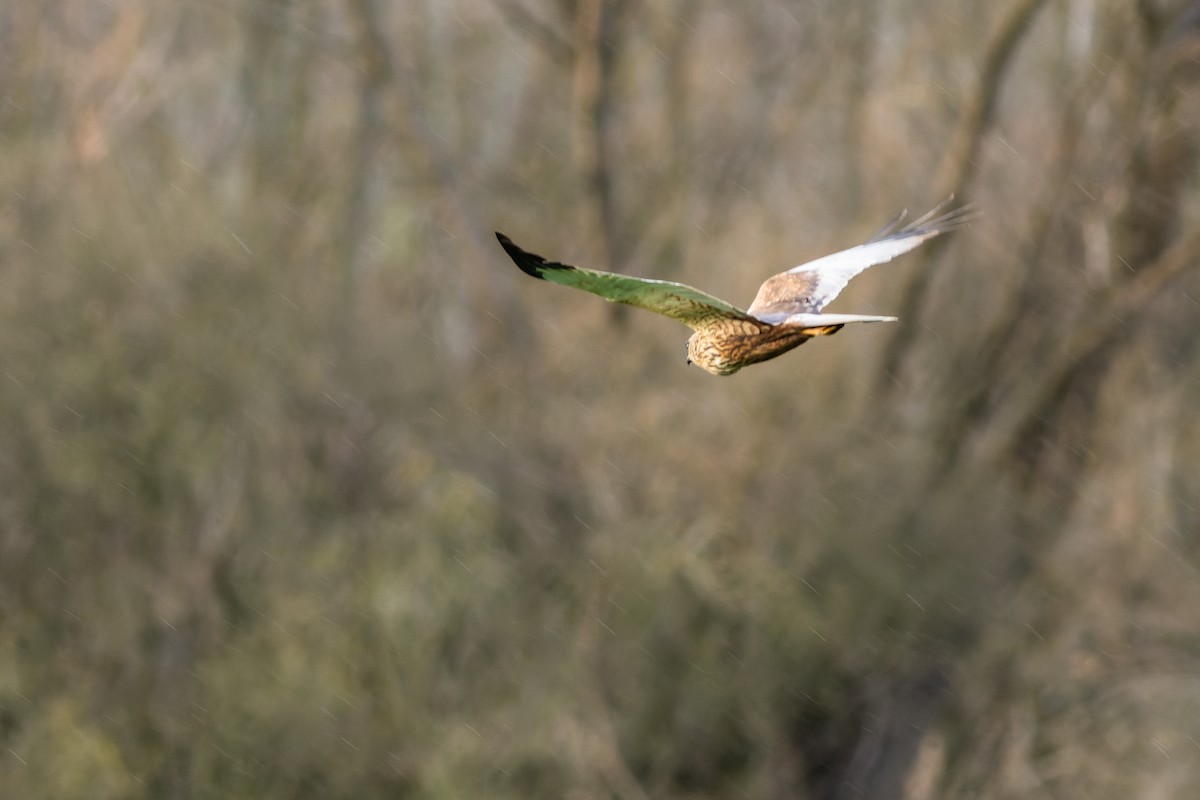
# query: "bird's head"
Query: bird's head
{"points": [[702, 353]]}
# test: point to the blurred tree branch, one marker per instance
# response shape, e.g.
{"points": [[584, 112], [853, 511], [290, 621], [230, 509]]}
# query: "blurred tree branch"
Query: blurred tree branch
{"points": [[359, 215], [960, 161], [979, 369], [1157, 153], [861, 20], [958, 166], [1119, 312], [447, 173], [599, 26], [556, 45]]}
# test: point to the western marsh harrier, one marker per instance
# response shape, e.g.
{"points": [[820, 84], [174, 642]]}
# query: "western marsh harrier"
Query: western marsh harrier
{"points": [[785, 314]]}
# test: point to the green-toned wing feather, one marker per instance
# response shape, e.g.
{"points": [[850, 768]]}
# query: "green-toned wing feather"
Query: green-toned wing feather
{"points": [[679, 301]]}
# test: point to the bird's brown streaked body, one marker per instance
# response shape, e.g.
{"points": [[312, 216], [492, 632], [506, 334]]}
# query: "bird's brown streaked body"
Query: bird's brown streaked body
{"points": [[785, 314], [726, 346]]}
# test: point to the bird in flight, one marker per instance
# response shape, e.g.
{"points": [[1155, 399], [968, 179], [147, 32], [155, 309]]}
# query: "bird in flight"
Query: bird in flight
{"points": [[785, 314]]}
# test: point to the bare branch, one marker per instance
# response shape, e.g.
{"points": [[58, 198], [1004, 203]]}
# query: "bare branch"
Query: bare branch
{"points": [[959, 163], [372, 47], [556, 44], [986, 357], [595, 101], [1122, 311]]}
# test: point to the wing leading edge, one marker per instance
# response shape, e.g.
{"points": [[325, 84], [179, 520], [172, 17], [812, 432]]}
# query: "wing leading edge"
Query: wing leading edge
{"points": [[679, 301]]}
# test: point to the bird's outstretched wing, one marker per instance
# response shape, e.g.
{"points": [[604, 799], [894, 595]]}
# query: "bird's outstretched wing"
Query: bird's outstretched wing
{"points": [[690, 306], [809, 287]]}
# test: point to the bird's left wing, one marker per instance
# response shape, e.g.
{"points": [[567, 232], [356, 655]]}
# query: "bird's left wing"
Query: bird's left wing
{"points": [[690, 306], [809, 287]]}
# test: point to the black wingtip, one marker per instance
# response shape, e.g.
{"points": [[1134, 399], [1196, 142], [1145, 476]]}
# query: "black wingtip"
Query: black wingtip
{"points": [[530, 263], [508, 245]]}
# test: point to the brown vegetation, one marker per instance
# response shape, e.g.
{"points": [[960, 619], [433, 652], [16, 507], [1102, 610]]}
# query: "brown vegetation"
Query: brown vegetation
{"points": [[308, 492]]}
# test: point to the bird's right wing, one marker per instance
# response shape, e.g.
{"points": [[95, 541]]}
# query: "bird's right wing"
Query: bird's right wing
{"points": [[809, 287], [690, 306]]}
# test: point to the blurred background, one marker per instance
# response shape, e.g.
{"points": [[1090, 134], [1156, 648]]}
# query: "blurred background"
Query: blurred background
{"points": [[309, 492]]}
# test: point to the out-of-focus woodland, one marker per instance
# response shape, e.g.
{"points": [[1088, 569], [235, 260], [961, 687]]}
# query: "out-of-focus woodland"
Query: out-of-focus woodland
{"points": [[309, 492]]}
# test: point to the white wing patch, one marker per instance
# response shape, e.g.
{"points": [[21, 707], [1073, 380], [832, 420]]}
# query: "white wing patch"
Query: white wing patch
{"points": [[830, 274], [821, 320]]}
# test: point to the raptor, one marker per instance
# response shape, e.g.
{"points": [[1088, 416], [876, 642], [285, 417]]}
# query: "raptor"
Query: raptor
{"points": [[786, 313]]}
